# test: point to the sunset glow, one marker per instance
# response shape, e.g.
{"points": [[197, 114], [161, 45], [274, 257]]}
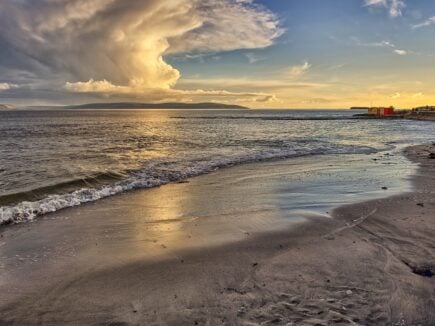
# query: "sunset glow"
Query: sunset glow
{"points": [[261, 54]]}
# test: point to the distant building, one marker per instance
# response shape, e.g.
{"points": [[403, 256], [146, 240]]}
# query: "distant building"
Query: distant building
{"points": [[381, 111], [424, 109], [423, 113]]}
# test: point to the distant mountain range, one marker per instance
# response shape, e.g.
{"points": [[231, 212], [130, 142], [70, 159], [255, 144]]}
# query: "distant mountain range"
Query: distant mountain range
{"points": [[4, 107], [133, 105]]}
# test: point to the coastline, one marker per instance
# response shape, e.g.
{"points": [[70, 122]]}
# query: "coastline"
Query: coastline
{"points": [[422, 117], [369, 265]]}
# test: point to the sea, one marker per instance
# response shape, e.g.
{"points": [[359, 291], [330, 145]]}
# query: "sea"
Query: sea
{"points": [[51, 159]]}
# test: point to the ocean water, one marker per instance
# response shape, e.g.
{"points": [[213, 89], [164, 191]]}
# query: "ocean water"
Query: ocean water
{"points": [[53, 159]]}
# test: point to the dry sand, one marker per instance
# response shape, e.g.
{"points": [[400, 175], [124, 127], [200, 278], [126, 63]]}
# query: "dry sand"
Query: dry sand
{"points": [[370, 265]]}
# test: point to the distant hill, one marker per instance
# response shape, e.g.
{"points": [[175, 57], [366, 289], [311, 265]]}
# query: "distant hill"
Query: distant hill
{"points": [[4, 107], [133, 105]]}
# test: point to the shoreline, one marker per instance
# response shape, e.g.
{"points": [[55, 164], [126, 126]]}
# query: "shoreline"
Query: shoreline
{"points": [[37, 203], [369, 265]]}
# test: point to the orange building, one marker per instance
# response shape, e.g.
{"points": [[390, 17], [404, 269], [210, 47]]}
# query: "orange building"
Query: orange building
{"points": [[381, 111]]}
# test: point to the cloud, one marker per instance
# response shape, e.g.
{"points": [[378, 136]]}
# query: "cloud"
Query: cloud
{"points": [[253, 58], [384, 44], [381, 44], [99, 86], [427, 22], [267, 99], [338, 66], [375, 2], [394, 7], [228, 25], [299, 70], [109, 90], [238, 84], [119, 46], [401, 52], [318, 100]]}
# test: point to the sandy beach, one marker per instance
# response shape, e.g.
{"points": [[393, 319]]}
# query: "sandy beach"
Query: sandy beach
{"points": [[370, 264], [231, 162]]}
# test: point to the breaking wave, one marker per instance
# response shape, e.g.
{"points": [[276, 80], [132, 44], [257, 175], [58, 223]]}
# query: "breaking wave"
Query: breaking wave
{"points": [[154, 174]]}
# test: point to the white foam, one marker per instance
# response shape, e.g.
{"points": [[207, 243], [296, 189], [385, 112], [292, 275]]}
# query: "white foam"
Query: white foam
{"points": [[156, 174]]}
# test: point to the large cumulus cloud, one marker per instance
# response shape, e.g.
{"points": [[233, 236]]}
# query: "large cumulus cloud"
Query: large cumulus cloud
{"points": [[119, 46]]}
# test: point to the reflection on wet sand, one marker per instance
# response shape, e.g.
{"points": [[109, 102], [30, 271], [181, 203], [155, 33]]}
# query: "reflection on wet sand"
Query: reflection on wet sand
{"points": [[161, 223]]}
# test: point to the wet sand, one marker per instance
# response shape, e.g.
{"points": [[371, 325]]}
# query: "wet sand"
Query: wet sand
{"points": [[371, 264]]}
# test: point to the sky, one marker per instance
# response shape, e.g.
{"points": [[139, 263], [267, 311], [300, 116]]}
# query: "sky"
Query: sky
{"points": [[257, 53]]}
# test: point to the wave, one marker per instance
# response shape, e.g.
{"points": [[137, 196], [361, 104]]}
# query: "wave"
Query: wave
{"points": [[154, 174], [94, 180]]}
